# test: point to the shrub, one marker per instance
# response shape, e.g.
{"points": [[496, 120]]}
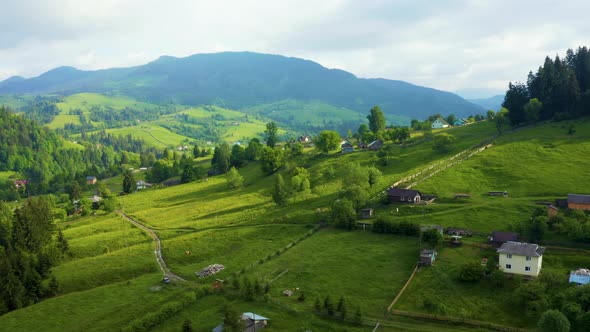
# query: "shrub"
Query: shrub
{"points": [[471, 272]]}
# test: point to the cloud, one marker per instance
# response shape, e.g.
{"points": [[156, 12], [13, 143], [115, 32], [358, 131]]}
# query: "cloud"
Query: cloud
{"points": [[450, 45]]}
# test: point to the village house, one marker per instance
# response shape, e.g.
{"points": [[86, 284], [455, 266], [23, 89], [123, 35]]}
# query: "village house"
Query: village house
{"points": [[521, 258], [18, 184], [91, 179], [427, 257], [439, 123], [375, 145], [366, 213], [404, 195], [142, 185], [578, 202], [459, 122], [304, 139], [580, 277], [497, 238], [250, 322], [552, 211], [346, 146]]}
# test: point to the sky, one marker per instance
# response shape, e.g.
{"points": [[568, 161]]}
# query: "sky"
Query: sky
{"points": [[473, 48]]}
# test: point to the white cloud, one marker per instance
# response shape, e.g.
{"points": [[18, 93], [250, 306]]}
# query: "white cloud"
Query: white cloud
{"points": [[449, 45]]}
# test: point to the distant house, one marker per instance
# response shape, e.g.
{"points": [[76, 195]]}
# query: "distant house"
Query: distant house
{"points": [[578, 202], [346, 146], [18, 184], [498, 193], [439, 123], [366, 213], [427, 257], [521, 258], [91, 179], [552, 211], [250, 322], [362, 145], [404, 195], [459, 122], [375, 145], [580, 277], [142, 185], [497, 238], [304, 139]]}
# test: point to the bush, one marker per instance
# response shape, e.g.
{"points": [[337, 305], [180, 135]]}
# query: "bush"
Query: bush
{"points": [[471, 272], [553, 321]]}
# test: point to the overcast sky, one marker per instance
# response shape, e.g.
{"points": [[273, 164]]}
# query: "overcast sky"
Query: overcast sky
{"points": [[471, 47]]}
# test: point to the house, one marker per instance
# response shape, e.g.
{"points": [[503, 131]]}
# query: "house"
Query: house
{"points": [[346, 146], [580, 277], [250, 322], [497, 238], [521, 258], [142, 185], [304, 139], [404, 195], [366, 213], [91, 179], [552, 211], [459, 122], [427, 257], [375, 145], [18, 184], [362, 145], [439, 123], [578, 202]]}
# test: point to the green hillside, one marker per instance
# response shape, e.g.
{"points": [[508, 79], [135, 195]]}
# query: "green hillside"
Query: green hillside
{"points": [[110, 278]]}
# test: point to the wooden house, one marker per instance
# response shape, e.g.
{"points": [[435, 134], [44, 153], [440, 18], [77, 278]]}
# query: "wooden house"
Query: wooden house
{"points": [[427, 257], [346, 147], [91, 179], [552, 211], [578, 202], [375, 145], [404, 195], [439, 123]]}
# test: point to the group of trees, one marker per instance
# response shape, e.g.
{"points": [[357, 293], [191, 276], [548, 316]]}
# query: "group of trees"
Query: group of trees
{"points": [[560, 89], [29, 247], [574, 224]]}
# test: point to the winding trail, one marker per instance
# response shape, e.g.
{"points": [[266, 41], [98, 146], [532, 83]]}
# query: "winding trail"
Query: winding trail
{"points": [[154, 137], [158, 250]]}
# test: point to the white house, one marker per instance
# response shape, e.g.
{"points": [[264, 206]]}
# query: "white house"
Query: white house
{"points": [[521, 258], [142, 185], [439, 123]]}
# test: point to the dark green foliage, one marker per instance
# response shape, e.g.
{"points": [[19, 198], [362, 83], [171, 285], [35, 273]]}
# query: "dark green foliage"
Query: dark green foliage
{"points": [[257, 287], [221, 158], [301, 297], [376, 120], [317, 304], [159, 172], [327, 141], [471, 272], [343, 214], [374, 176], [247, 289], [516, 98], [358, 315], [341, 304], [237, 157], [235, 283], [532, 110], [52, 286], [553, 321], [357, 195], [75, 191], [532, 297], [266, 288], [128, 182], [187, 326], [432, 237], [271, 134], [231, 319], [253, 149], [234, 179], [402, 228], [188, 174], [62, 243], [280, 192], [271, 159], [328, 305]]}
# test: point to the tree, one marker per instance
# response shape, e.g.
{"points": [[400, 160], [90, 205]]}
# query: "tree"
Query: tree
{"points": [[196, 151], [271, 134], [451, 118], [62, 243], [301, 297], [358, 315], [317, 304], [553, 321], [328, 305], [75, 191], [234, 179], [432, 237], [537, 228], [252, 150], [343, 213], [376, 120], [501, 119], [532, 110], [231, 319], [357, 195], [221, 158], [280, 193], [443, 142], [248, 289], [300, 180], [238, 156], [271, 159], [327, 141], [374, 176], [490, 114], [188, 174], [471, 272], [516, 97], [128, 182]]}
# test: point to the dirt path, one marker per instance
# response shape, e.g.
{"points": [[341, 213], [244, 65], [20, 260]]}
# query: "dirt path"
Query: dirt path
{"points": [[158, 250], [154, 137]]}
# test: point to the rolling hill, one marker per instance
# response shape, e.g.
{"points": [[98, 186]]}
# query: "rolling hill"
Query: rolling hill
{"points": [[242, 79]]}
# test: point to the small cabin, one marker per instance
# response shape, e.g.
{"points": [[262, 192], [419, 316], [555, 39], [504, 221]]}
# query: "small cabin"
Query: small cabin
{"points": [[578, 202], [91, 179], [366, 213], [427, 257]]}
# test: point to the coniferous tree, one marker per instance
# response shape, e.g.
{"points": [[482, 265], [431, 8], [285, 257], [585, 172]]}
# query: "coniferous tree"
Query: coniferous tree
{"points": [[128, 182], [280, 192], [516, 97]]}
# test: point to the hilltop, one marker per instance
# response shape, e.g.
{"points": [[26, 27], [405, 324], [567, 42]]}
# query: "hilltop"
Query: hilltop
{"points": [[240, 80]]}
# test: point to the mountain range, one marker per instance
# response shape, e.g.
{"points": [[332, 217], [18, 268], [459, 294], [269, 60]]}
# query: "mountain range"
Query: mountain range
{"points": [[244, 79]]}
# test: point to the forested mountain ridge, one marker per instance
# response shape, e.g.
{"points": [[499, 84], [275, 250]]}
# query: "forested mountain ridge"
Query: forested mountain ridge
{"points": [[243, 79]]}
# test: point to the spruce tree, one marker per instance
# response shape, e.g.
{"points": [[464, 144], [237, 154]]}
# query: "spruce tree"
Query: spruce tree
{"points": [[280, 192], [128, 182]]}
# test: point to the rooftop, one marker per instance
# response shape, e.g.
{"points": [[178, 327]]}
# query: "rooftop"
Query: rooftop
{"points": [[581, 272], [500, 236], [402, 192], [521, 249], [578, 199]]}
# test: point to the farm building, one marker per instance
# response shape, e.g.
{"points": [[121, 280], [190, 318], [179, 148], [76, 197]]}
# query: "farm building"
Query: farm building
{"points": [[91, 179], [580, 277], [404, 195], [578, 202], [459, 122], [438, 228], [250, 322], [439, 123], [497, 238], [552, 210], [142, 185], [521, 258], [427, 257], [346, 147], [375, 145]]}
